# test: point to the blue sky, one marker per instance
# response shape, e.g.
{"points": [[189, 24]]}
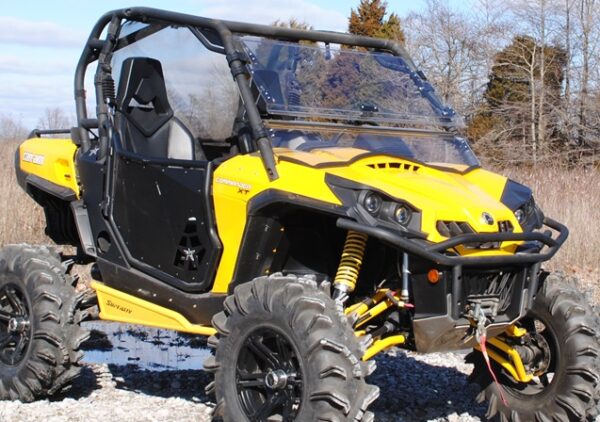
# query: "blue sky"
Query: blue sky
{"points": [[40, 42]]}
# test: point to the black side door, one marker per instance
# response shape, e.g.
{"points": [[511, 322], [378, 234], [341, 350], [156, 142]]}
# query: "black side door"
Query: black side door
{"points": [[162, 211]]}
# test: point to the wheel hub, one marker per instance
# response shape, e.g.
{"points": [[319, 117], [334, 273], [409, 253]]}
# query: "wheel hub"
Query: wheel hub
{"points": [[276, 380], [536, 354], [269, 376], [15, 325], [18, 325]]}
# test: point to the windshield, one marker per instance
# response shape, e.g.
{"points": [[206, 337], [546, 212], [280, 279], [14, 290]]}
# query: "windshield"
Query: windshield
{"points": [[319, 81], [422, 147]]}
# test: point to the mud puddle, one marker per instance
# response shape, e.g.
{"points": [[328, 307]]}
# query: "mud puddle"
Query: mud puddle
{"points": [[147, 348]]}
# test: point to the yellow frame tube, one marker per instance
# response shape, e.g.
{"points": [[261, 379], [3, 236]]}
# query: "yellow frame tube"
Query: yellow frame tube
{"points": [[383, 344], [374, 311], [515, 366], [514, 331], [360, 308]]}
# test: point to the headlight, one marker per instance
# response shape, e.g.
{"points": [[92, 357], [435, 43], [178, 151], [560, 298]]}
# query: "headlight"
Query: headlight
{"points": [[402, 215], [529, 216], [388, 212], [521, 215], [372, 203]]}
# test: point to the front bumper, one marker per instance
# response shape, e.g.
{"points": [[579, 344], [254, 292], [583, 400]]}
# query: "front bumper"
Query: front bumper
{"points": [[440, 321], [436, 252]]}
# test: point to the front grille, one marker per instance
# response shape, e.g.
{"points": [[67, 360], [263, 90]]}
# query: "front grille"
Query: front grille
{"points": [[454, 228], [505, 226], [495, 288]]}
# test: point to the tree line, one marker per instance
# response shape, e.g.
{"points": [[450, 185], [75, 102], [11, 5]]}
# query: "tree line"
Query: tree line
{"points": [[523, 73]]}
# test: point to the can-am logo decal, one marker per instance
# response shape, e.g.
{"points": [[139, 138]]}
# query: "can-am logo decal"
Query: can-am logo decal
{"points": [[33, 158]]}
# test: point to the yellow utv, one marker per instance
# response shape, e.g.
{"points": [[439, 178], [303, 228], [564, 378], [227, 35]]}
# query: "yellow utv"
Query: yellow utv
{"points": [[305, 200]]}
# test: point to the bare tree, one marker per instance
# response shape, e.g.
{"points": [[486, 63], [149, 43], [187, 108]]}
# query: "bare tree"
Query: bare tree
{"points": [[456, 48], [11, 128], [55, 118], [441, 41]]}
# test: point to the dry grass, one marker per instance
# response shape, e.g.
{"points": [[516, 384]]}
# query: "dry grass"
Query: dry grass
{"points": [[573, 198], [21, 219], [569, 196]]}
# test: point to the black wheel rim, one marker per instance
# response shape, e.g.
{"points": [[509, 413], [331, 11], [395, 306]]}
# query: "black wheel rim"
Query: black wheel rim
{"points": [[269, 377], [15, 324]]}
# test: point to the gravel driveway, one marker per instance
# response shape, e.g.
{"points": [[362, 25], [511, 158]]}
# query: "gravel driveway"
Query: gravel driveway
{"points": [[413, 388], [147, 375]]}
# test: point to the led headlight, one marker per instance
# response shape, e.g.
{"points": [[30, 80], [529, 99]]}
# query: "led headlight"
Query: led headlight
{"points": [[529, 216], [372, 203], [402, 214], [521, 215]]}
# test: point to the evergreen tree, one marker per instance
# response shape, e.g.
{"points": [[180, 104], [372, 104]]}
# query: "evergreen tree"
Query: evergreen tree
{"points": [[369, 19]]}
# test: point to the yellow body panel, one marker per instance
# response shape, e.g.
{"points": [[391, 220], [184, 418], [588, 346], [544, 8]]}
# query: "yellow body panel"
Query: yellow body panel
{"points": [[121, 307], [447, 194], [240, 179], [50, 159]]}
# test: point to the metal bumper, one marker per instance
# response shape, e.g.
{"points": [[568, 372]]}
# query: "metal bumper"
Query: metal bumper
{"points": [[446, 328], [435, 251]]}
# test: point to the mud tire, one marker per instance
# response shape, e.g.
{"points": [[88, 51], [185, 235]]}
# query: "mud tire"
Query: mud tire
{"points": [[333, 375], [573, 393], [52, 357]]}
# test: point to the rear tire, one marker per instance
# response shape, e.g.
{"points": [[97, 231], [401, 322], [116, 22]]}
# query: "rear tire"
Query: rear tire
{"points": [[40, 312], [287, 329], [570, 389]]}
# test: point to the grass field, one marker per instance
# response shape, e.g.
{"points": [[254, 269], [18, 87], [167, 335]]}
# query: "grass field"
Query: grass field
{"points": [[569, 196]]}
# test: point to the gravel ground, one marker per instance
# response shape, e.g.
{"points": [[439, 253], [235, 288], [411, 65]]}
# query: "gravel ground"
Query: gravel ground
{"points": [[413, 388]]}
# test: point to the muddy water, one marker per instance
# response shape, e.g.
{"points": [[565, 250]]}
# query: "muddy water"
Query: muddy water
{"points": [[148, 348]]}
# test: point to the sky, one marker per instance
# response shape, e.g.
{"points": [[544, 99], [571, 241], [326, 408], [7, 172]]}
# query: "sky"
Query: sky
{"points": [[40, 42]]}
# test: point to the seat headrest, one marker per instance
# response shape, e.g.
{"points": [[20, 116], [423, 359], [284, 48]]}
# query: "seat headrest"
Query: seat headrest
{"points": [[142, 95]]}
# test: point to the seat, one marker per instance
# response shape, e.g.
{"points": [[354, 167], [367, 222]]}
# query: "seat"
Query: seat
{"points": [[145, 120]]}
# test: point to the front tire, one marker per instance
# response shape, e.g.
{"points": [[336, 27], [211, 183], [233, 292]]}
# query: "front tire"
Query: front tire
{"points": [[40, 334], [284, 352], [567, 388]]}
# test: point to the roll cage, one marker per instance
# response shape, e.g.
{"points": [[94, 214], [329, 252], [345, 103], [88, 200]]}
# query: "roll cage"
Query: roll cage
{"points": [[216, 35]]}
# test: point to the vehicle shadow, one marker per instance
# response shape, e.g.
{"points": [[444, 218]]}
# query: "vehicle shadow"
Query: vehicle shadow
{"points": [[412, 390], [412, 387], [183, 384], [83, 386]]}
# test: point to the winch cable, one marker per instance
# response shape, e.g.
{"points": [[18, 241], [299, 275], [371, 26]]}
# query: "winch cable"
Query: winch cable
{"points": [[481, 338]]}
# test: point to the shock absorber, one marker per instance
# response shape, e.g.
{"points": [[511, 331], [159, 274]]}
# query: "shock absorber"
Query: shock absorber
{"points": [[349, 268]]}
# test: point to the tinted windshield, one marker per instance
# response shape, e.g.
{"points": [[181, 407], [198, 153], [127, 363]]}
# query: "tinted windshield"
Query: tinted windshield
{"points": [[311, 80], [425, 148]]}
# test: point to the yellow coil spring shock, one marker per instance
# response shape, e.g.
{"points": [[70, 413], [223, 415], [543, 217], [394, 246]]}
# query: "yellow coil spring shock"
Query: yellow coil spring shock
{"points": [[352, 258]]}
